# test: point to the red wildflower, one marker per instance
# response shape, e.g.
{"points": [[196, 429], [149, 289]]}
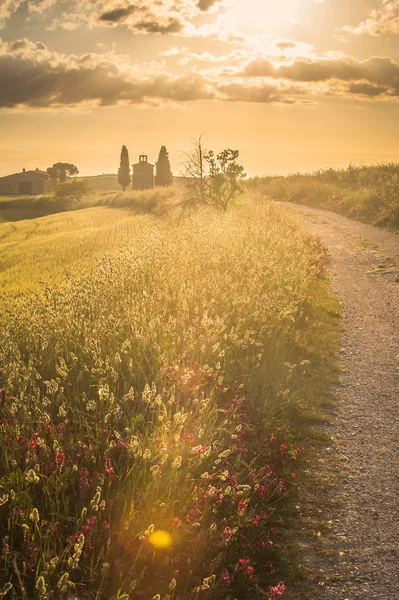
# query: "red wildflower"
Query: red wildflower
{"points": [[225, 577], [60, 459], [278, 590], [109, 469]]}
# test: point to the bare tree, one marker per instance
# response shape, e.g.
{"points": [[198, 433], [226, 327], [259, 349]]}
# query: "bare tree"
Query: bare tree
{"points": [[194, 169], [211, 179]]}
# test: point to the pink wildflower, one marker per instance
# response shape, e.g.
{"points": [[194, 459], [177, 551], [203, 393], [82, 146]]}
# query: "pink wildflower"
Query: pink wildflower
{"points": [[60, 459], [278, 590]]}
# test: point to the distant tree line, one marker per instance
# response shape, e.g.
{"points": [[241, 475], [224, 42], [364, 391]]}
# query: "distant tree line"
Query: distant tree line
{"points": [[211, 179]]}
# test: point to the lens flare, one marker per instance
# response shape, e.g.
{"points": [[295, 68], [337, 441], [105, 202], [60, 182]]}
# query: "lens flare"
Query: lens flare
{"points": [[160, 539]]}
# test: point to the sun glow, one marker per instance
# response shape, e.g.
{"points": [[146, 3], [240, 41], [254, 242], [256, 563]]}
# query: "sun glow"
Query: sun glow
{"points": [[160, 539], [264, 15]]}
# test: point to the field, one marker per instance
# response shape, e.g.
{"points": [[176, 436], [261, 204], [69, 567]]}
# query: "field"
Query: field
{"points": [[156, 400], [35, 249], [368, 194]]}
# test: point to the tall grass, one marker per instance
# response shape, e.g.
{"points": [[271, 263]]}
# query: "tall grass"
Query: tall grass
{"points": [[369, 194], [37, 248], [148, 412]]}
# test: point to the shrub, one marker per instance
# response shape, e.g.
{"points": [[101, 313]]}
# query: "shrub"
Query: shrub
{"points": [[75, 188]]}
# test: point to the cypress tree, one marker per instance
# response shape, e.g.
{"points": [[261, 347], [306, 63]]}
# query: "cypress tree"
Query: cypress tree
{"points": [[124, 169], [163, 175]]}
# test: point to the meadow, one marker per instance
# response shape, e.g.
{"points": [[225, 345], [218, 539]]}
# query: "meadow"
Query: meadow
{"points": [[41, 239], [365, 193], [156, 401]]}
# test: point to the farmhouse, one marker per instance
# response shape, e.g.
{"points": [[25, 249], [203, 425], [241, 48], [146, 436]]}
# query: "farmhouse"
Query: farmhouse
{"points": [[143, 174], [24, 183]]}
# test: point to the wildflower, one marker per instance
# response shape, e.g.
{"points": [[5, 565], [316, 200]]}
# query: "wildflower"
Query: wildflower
{"points": [[207, 582], [62, 583], [227, 534], [34, 516], [6, 588], [31, 476], [176, 522], [242, 507], [278, 590], [41, 585], [109, 469], [60, 459], [225, 577], [156, 597], [172, 584], [96, 497], [155, 470], [177, 462], [3, 499]]}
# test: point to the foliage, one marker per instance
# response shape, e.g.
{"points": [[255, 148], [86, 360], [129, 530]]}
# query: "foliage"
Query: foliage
{"points": [[59, 172], [124, 169], [141, 398], [211, 179], [224, 174], [366, 193], [163, 175], [76, 189]]}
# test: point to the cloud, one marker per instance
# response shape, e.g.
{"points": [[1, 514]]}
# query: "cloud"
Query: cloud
{"points": [[205, 5], [375, 73], [118, 14], [264, 94], [32, 76], [146, 16], [383, 20]]}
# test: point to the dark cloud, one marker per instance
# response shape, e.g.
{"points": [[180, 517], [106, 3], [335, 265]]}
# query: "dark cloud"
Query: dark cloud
{"points": [[154, 26], [375, 75], [36, 78], [321, 70], [147, 21], [118, 14], [366, 89], [206, 4], [266, 94]]}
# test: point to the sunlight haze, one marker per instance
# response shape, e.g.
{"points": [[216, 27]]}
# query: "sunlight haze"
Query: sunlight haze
{"points": [[294, 85]]}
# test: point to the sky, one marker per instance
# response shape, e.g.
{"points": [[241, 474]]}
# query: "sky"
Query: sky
{"points": [[294, 85]]}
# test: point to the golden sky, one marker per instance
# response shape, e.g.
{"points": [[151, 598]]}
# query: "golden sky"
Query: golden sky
{"points": [[293, 84]]}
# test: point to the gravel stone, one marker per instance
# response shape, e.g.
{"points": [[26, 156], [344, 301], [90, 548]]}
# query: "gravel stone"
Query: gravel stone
{"points": [[362, 558]]}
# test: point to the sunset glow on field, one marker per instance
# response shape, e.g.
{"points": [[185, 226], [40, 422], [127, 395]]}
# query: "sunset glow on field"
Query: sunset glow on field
{"points": [[296, 84]]}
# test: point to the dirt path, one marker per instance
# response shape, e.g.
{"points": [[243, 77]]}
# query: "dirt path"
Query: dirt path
{"points": [[360, 559]]}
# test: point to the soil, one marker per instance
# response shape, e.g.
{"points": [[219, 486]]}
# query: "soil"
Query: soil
{"points": [[358, 557]]}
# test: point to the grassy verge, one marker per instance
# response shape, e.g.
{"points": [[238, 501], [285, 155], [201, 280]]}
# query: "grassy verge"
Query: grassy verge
{"points": [[155, 409], [368, 194]]}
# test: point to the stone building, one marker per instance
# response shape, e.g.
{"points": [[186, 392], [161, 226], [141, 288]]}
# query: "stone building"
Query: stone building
{"points": [[143, 174], [25, 183]]}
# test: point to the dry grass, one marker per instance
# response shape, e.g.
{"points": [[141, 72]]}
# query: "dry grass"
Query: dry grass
{"points": [[161, 390]]}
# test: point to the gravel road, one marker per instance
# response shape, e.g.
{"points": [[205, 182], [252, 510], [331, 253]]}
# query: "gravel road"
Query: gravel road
{"points": [[361, 557]]}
